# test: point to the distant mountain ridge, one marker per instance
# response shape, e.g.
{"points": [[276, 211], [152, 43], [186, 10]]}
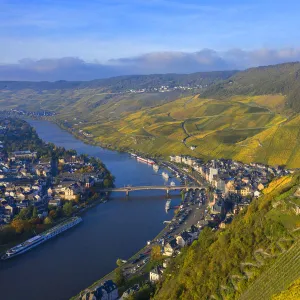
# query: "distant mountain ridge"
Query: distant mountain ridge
{"points": [[124, 82]]}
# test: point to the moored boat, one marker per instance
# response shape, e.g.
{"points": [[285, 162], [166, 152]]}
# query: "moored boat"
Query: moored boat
{"points": [[165, 175], [168, 204], [155, 167], [151, 162], [145, 160], [41, 238]]}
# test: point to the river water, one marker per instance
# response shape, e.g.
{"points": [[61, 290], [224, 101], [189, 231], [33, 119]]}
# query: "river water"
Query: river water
{"points": [[67, 264]]}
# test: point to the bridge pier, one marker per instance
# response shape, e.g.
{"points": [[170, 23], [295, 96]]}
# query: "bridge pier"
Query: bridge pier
{"points": [[168, 192], [127, 193]]}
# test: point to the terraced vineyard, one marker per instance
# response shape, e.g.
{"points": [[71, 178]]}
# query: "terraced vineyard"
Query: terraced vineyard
{"points": [[278, 277], [242, 128]]}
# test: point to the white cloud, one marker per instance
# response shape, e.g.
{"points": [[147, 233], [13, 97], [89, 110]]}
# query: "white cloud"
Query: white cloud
{"points": [[73, 68]]}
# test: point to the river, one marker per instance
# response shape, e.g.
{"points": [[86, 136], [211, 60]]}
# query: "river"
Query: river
{"points": [[67, 264]]}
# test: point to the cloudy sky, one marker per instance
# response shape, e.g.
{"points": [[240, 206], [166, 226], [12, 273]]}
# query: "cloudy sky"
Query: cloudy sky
{"points": [[82, 40]]}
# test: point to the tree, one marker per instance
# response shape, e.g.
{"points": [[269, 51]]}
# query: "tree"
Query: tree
{"points": [[107, 183], [19, 225], [119, 277], [182, 194], [25, 213], [34, 213], [48, 221], [68, 209], [119, 262], [144, 293], [53, 214], [156, 253]]}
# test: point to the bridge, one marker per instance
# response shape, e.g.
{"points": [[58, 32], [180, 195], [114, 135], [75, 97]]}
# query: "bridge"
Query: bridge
{"points": [[167, 188]]}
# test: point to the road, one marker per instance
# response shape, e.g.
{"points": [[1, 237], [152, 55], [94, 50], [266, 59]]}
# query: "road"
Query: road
{"points": [[192, 211]]}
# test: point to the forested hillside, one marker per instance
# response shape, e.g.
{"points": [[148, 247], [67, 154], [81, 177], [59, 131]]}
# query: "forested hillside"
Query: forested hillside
{"points": [[277, 79], [255, 257], [122, 83]]}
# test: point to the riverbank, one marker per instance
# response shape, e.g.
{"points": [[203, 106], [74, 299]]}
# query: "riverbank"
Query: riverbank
{"points": [[94, 246], [41, 184], [145, 251]]}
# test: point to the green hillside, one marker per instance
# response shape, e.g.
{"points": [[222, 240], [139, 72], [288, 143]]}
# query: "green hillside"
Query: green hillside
{"points": [[278, 79], [245, 128], [291, 293], [255, 257], [249, 116], [122, 83], [102, 98]]}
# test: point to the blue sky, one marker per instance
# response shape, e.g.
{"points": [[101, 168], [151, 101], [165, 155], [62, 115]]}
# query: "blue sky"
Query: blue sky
{"points": [[103, 31]]}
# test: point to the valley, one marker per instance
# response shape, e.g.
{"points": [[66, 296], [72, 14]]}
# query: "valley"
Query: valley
{"points": [[250, 116]]}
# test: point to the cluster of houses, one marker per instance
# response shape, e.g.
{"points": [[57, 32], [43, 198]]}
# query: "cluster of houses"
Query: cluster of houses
{"points": [[172, 248], [86, 134], [22, 183], [233, 182], [28, 181], [40, 113], [228, 176], [185, 238], [166, 88]]}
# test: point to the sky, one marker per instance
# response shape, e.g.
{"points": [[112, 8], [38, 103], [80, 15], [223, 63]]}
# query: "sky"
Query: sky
{"points": [[83, 40]]}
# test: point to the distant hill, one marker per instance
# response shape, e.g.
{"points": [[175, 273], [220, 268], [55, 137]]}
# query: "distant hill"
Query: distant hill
{"points": [[122, 83], [257, 119], [102, 98], [276, 79]]}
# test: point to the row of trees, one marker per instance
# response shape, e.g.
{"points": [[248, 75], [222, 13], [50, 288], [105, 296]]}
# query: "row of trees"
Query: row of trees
{"points": [[28, 218]]}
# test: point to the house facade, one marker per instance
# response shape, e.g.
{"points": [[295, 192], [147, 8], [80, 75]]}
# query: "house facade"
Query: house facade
{"points": [[170, 248], [156, 274]]}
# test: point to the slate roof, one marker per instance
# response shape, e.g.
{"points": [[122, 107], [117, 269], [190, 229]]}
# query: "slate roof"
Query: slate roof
{"points": [[173, 244], [109, 286]]}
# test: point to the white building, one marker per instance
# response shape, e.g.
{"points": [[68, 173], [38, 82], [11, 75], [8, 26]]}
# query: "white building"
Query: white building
{"points": [[156, 274], [212, 172]]}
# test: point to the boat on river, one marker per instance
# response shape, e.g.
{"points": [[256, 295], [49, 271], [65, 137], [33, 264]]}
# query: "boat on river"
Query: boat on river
{"points": [[172, 183], [165, 175], [155, 167], [41, 238], [168, 204], [145, 160]]}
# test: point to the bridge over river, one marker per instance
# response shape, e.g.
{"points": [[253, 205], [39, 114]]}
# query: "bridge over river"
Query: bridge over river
{"points": [[167, 188]]}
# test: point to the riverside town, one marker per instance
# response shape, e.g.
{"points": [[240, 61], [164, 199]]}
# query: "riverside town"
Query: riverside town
{"points": [[149, 150]]}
